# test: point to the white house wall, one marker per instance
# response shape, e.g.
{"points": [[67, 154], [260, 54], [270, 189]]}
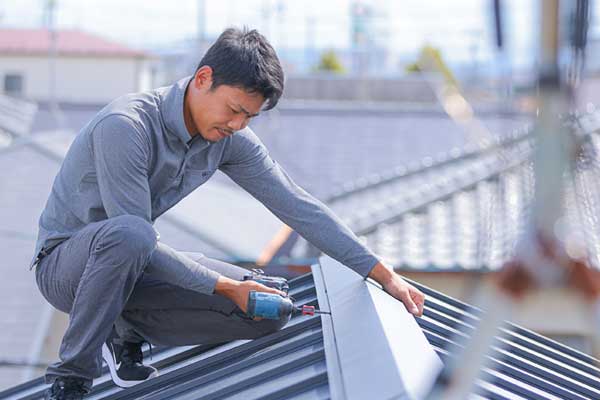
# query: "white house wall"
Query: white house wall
{"points": [[91, 80]]}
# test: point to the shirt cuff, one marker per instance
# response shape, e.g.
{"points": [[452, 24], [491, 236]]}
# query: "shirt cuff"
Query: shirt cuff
{"points": [[365, 267], [203, 280], [210, 281]]}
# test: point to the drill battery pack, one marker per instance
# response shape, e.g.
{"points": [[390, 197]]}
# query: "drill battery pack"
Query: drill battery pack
{"points": [[275, 282]]}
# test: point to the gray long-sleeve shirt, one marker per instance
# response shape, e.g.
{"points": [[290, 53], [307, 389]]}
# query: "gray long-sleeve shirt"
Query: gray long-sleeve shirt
{"points": [[136, 157]]}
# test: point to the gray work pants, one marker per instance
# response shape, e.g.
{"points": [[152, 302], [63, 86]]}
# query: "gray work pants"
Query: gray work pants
{"points": [[114, 272]]}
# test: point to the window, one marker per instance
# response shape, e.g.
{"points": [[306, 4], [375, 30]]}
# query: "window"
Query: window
{"points": [[13, 84]]}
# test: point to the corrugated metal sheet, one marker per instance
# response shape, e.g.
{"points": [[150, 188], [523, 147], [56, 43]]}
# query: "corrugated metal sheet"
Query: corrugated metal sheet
{"points": [[288, 364], [291, 364], [523, 364]]}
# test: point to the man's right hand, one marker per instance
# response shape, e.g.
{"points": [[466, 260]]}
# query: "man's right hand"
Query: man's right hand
{"points": [[238, 292]]}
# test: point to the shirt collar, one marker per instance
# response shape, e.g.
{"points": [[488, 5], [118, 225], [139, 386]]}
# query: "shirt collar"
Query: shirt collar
{"points": [[172, 109]]}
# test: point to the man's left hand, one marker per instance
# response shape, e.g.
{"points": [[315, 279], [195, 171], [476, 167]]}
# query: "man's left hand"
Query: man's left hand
{"points": [[393, 283]]}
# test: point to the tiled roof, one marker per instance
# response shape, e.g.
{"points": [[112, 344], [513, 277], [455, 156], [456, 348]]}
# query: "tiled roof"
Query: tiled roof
{"points": [[324, 149], [69, 42], [308, 360], [465, 209]]}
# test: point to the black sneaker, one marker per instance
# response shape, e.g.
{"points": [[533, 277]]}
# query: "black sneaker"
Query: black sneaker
{"points": [[125, 363], [65, 388]]}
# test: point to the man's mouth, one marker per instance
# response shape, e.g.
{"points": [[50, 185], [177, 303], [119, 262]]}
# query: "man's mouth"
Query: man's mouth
{"points": [[224, 132]]}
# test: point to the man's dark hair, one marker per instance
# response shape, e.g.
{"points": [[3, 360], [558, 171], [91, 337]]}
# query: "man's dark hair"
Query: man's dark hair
{"points": [[244, 58]]}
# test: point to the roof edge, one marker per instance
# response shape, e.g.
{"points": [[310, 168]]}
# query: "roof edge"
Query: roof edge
{"points": [[366, 321], [334, 370]]}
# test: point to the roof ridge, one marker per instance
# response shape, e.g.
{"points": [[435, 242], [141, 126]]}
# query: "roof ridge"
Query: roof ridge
{"points": [[585, 124], [68, 41], [426, 164]]}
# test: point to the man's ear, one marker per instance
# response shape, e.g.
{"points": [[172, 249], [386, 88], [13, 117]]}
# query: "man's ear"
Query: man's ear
{"points": [[203, 77]]}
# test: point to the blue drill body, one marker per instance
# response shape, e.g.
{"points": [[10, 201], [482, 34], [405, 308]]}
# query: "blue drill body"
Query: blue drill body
{"points": [[269, 306], [274, 306]]}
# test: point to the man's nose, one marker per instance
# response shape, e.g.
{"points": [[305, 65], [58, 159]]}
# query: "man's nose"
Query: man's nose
{"points": [[238, 123]]}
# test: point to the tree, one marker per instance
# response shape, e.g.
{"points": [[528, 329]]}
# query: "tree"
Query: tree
{"points": [[330, 63], [431, 60]]}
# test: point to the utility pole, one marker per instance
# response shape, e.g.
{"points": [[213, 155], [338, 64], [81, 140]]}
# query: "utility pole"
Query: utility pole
{"points": [[49, 22], [267, 14], [281, 14], [310, 41], [201, 21]]}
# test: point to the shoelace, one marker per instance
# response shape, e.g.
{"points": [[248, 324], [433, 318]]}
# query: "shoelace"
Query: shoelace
{"points": [[132, 353]]}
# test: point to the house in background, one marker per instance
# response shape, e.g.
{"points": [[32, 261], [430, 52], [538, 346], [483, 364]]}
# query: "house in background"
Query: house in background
{"points": [[88, 69]]}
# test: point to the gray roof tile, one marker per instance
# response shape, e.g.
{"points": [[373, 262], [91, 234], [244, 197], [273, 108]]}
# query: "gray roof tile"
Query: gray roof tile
{"points": [[468, 210]]}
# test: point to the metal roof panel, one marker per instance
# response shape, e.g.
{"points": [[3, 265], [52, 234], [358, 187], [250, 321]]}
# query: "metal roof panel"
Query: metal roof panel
{"points": [[309, 357]]}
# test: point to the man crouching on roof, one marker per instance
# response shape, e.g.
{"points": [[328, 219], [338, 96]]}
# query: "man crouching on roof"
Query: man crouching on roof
{"points": [[98, 257]]}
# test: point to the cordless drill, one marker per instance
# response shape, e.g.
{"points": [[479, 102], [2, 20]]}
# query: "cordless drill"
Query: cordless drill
{"points": [[274, 306]]}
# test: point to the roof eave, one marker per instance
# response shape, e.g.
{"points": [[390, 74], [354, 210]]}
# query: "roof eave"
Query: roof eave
{"points": [[79, 54]]}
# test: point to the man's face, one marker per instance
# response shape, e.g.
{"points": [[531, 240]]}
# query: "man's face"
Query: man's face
{"points": [[216, 114]]}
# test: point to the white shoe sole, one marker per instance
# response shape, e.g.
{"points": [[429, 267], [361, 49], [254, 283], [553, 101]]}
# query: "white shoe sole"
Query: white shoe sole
{"points": [[107, 355]]}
